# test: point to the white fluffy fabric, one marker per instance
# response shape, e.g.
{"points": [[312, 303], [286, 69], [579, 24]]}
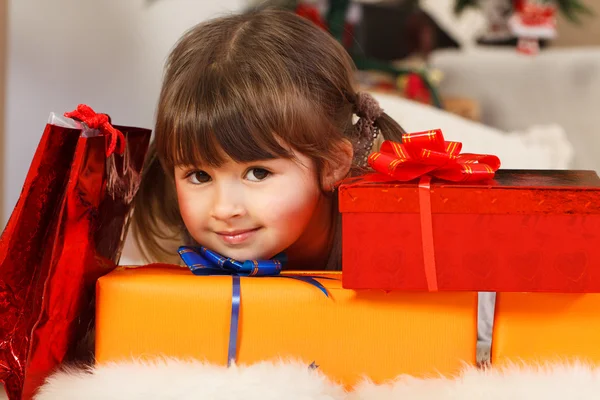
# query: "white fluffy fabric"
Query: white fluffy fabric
{"points": [[173, 379], [183, 380], [549, 382]]}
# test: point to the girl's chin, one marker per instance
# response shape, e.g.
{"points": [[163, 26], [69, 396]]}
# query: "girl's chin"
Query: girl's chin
{"points": [[242, 252], [242, 255]]}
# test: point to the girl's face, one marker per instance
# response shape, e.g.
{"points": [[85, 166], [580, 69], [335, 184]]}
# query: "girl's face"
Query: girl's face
{"points": [[250, 211]]}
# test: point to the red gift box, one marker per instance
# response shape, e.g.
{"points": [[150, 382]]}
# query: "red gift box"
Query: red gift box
{"points": [[536, 231]]}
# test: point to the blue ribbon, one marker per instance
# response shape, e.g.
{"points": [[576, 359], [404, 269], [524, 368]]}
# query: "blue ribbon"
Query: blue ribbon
{"points": [[204, 262]]}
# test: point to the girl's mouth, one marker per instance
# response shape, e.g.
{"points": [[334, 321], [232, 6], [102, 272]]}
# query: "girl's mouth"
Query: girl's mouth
{"points": [[237, 236]]}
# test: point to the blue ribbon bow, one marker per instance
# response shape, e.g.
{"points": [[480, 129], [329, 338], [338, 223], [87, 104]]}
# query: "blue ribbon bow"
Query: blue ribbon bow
{"points": [[204, 262]]}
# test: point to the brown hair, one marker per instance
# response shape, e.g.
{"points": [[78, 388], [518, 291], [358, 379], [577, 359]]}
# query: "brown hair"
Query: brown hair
{"points": [[232, 87]]}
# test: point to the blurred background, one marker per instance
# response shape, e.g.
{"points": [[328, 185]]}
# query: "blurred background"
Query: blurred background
{"points": [[516, 78], [470, 67]]}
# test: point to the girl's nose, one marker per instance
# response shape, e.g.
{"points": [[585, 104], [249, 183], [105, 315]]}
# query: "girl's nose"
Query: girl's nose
{"points": [[229, 202]]}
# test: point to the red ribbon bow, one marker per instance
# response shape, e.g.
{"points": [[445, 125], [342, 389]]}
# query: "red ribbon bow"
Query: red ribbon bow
{"points": [[427, 153], [423, 155], [94, 120]]}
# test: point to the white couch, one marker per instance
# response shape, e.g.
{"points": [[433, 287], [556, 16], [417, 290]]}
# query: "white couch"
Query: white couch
{"points": [[559, 86], [533, 147]]}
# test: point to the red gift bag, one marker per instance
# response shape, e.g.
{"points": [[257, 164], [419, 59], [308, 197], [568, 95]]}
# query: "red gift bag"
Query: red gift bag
{"points": [[66, 231]]}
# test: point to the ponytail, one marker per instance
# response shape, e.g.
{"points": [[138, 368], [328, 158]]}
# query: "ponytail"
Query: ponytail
{"points": [[389, 128]]}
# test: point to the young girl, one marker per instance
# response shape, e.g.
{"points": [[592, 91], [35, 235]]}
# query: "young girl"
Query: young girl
{"points": [[254, 129]]}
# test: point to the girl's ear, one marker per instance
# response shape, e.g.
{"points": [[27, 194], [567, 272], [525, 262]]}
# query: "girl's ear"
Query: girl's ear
{"points": [[338, 168]]}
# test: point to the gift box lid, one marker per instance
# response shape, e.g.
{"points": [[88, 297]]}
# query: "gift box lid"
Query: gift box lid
{"points": [[511, 191]]}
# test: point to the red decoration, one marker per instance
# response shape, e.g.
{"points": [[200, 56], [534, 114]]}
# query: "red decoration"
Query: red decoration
{"points": [[66, 231], [532, 22], [518, 5], [520, 231], [312, 14], [415, 89], [537, 14]]}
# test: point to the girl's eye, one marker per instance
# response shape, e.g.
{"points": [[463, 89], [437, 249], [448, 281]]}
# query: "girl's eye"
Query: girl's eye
{"points": [[198, 177], [257, 174]]}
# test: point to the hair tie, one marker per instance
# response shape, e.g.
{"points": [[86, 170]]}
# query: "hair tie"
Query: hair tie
{"points": [[368, 111], [365, 106]]}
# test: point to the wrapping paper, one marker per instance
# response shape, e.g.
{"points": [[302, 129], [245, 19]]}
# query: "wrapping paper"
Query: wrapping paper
{"points": [[521, 231], [66, 230], [546, 327], [165, 311]]}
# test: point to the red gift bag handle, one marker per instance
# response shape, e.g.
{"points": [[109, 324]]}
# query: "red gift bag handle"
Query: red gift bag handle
{"points": [[93, 120]]}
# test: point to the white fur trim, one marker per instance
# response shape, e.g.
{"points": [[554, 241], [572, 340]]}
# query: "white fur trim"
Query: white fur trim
{"points": [[172, 379], [515, 382], [181, 380]]}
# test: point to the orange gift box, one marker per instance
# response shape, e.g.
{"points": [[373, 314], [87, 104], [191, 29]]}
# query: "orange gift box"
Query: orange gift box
{"points": [[166, 311], [546, 327]]}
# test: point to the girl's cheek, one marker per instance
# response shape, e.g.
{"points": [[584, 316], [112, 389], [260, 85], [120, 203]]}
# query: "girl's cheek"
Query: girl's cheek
{"points": [[191, 205], [288, 204], [187, 213]]}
